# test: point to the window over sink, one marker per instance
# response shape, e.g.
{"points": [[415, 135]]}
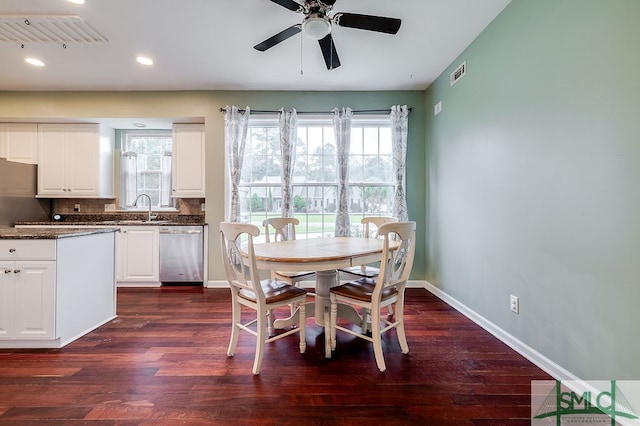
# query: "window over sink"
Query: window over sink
{"points": [[145, 167]]}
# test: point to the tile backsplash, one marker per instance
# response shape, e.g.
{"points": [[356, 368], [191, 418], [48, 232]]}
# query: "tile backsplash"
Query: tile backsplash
{"points": [[185, 206]]}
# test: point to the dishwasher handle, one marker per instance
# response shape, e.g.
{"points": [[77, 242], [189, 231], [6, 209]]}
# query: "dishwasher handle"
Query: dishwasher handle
{"points": [[180, 231]]}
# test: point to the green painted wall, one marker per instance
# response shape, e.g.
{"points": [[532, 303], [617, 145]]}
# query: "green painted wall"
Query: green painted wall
{"points": [[533, 167], [206, 105]]}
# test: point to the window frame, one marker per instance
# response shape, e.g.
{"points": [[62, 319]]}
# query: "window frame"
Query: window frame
{"points": [[125, 136], [325, 226]]}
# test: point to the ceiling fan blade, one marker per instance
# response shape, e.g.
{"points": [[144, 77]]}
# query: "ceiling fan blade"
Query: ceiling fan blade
{"points": [[367, 22], [329, 52], [328, 2], [289, 4], [278, 38]]}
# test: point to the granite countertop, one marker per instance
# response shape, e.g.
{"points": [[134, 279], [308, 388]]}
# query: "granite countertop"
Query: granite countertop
{"points": [[110, 223], [48, 234], [120, 220]]}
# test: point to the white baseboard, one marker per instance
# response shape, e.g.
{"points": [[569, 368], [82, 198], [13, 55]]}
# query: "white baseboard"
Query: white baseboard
{"points": [[217, 284], [417, 284], [124, 284], [541, 361]]}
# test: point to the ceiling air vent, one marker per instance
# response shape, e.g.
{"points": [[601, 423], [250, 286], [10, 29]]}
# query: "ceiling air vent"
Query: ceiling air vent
{"points": [[458, 73], [64, 29]]}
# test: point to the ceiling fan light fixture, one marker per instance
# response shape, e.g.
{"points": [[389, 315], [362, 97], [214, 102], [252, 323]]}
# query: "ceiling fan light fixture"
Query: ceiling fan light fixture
{"points": [[316, 26]]}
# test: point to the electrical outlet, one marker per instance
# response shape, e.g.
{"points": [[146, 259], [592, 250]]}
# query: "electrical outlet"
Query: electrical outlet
{"points": [[109, 207], [514, 304], [76, 208]]}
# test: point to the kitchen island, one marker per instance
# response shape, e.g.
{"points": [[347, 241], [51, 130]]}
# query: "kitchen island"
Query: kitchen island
{"points": [[55, 285]]}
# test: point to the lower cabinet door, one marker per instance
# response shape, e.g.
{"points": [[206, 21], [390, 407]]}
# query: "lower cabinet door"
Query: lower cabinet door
{"points": [[7, 299], [139, 254], [34, 296]]}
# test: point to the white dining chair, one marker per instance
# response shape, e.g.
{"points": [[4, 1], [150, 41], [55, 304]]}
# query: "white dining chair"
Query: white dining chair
{"points": [[283, 229], [371, 295], [371, 225], [263, 296]]}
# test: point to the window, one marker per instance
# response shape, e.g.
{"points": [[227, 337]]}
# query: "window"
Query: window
{"points": [[315, 174], [146, 168], [370, 170]]}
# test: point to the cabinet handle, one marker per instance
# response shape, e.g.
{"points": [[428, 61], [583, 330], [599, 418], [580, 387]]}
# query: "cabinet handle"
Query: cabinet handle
{"points": [[16, 271], [12, 250], [7, 271]]}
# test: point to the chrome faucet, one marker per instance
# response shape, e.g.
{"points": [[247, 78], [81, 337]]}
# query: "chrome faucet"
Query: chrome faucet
{"points": [[135, 203]]}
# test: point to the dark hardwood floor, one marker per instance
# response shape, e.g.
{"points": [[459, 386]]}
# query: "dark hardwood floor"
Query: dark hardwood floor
{"points": [[163, 361]]}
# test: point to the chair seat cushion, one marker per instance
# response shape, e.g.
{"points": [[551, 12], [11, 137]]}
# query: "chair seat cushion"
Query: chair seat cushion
{"points": [[274, 292], [362, 290], [293, 274], [367, 271]]}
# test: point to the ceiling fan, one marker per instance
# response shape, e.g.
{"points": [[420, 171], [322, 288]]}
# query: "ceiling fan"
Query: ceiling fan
{"points": [[318, 21]]}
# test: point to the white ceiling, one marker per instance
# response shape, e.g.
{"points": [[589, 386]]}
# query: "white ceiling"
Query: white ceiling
{"points": [[208, 45]]}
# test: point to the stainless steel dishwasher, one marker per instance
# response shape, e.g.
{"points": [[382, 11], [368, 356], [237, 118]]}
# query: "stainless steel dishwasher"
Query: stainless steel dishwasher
{"points": [[181, 254]]}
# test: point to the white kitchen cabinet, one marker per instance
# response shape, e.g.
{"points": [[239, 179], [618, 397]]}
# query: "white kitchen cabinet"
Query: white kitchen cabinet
{"points": [[27, 289], [188, 165], [19, 142], [27, 299], [74, 161], [53, 291], [138, 255]]}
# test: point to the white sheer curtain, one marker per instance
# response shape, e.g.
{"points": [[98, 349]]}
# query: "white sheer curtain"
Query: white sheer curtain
{"points": [[129, 173], [165, 183], [236, 123], [288, 133], [399, 126], [342, 129]]}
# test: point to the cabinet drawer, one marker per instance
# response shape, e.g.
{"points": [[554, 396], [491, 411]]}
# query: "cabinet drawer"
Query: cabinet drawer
{"points": [[27, 250]]}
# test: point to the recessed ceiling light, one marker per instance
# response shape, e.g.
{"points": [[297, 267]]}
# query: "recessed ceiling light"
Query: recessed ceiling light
{"points": [[76, 1], [139, 125], [144, 60], [34, 61]]}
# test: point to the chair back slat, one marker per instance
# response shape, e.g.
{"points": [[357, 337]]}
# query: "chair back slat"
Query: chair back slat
{"points": [[284, 228], [239, 262], [372, 224], [397, 260]]}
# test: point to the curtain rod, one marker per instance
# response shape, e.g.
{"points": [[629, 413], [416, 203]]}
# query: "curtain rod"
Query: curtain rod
{"points": [[361, 111]]}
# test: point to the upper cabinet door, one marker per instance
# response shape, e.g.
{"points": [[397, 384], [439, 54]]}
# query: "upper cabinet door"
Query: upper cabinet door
{"points": [[188, 165], [70, 162], [83, 163], [19, 142], [52, 160]]}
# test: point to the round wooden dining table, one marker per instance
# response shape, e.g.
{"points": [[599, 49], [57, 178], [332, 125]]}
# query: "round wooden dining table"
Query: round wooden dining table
{"points": [[324, 256]]}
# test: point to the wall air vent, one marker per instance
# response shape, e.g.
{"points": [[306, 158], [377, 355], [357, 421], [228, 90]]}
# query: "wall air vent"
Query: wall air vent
{"points": [[458, 73], [64, 29]]}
